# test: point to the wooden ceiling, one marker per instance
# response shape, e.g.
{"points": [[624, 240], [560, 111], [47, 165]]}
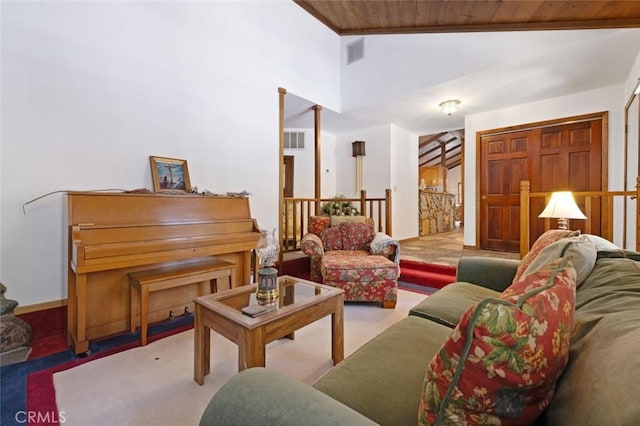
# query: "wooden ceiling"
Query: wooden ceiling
{"points": [[441, 149], [358, 17]]}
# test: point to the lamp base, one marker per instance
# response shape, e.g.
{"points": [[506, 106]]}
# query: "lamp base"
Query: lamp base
{"points": [[267, 286], [563, 223]]}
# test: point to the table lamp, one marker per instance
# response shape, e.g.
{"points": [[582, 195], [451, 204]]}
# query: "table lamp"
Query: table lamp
{"points": [[563, 207]]}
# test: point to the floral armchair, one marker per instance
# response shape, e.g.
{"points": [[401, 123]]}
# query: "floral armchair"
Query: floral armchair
{"points": [[356, 237]]}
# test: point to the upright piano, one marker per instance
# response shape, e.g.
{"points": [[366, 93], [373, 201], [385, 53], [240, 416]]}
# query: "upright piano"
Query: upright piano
{"points": [[112, 234]]}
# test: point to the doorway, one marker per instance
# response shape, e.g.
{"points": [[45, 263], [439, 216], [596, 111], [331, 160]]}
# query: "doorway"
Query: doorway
{"points": [[288, 170]]}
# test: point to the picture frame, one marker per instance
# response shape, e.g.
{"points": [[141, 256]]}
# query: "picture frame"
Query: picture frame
{"points": [[169, 174]]}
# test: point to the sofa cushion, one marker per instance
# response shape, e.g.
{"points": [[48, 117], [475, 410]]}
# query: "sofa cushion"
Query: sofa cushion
{"points": [[604, 364], [543, 241], [331, 239], [501, 363], [382, 379], [580, 248], [356, 236], [448, 304], [601, 243]]}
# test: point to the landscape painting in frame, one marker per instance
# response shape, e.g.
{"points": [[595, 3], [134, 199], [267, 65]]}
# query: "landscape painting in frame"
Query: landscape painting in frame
{"points": [[170, 174]]}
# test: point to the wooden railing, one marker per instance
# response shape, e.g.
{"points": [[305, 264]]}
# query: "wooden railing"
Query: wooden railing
{"points": [[297, 212], [606, 212]]}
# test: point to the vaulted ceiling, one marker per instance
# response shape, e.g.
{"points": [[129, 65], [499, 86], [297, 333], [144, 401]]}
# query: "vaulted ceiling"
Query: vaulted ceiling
{"points": [[358, 17], [488, 71]]}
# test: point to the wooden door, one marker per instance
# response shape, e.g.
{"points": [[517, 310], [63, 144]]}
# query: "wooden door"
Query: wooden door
{"points": [[569, 158], [553, 157], [505, 160], [288, 163]]}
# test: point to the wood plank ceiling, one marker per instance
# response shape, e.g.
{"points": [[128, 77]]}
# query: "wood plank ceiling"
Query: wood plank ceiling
{"points": [[441, 149], [361, 17]]}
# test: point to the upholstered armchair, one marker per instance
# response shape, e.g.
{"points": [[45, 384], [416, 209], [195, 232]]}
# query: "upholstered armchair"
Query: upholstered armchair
{"points": [[346, 252]]}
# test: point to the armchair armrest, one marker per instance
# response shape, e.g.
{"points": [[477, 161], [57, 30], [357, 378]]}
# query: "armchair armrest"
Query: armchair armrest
{"points": [[386, 246], [490, 272], [311, 245], [258, 396]]}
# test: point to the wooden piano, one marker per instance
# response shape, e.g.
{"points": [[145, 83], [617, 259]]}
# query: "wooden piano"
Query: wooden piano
{"points": [[112, 234]]}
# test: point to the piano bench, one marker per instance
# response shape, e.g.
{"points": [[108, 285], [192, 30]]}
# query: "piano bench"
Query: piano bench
{"points": [[147, 281]]}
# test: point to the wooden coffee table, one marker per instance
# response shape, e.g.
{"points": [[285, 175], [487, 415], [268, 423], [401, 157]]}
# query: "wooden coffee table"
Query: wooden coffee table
{"points": [[301, 302]]}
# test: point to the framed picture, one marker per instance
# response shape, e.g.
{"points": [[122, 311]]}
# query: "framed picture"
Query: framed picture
{"points": [[170, 174]]}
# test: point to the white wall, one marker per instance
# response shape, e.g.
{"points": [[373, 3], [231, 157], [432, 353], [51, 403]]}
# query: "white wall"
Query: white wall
{"points": [[91, 89], [404, 183], [605, 99], [376, 163], [304, 165], [391, 162]]}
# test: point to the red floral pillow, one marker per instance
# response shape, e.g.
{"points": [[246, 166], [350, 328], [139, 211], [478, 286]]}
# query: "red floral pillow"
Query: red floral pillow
{"points": [[356, 236], [501, 363], [317, 224], [332, 239], [543, 241]]}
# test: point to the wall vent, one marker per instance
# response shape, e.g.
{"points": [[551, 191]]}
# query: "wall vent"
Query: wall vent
{"points": [[355, 51], [293, 140]]}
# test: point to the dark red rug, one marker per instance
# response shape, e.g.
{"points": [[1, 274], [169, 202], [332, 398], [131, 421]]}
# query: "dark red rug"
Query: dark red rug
{"points": [[427, 274]]}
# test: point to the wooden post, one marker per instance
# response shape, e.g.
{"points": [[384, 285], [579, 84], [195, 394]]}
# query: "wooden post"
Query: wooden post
{"points": [[281, 208], [387, 205], [363, 202], [525, 212], [318, 158]]}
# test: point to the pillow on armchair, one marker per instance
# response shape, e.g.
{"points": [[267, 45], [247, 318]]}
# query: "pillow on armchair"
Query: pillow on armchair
{"points": [[348, 236], [356, 236]]}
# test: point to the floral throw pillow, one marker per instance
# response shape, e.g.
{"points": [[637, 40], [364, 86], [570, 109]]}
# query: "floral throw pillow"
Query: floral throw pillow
{"points": [[356, 236], [501, 363], [543, 241], [317, 224], [332, 239]]}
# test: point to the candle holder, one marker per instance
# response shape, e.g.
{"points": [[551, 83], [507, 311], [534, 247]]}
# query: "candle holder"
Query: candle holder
{"points": [[267, 250]]}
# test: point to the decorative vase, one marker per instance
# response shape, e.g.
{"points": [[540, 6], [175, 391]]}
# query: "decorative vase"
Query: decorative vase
{"points": [[267, 250]]}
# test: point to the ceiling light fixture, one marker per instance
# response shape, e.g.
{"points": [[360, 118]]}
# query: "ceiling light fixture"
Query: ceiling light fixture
{"points": [[450, 106]]}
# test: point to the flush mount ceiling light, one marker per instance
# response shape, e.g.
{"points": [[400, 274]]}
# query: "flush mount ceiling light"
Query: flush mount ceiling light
{"points": [[450, 106]]}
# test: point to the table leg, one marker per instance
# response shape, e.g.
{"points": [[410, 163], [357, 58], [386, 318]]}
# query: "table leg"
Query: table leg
{"points": [[201, 348], [337, 332], [251, 348]]}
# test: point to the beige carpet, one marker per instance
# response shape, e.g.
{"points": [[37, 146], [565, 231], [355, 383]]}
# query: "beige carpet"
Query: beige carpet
{"points": [[154, 384]]}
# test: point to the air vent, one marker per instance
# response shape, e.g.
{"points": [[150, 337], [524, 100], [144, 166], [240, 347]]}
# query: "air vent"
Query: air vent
{"points": [[294, 140], [355, 51]]}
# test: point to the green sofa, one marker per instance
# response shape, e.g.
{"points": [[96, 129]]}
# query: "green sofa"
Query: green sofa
{"points": [[381, 382]]}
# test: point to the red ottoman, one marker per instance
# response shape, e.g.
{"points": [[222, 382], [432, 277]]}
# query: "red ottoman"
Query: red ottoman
{"points": [[364, 278]]}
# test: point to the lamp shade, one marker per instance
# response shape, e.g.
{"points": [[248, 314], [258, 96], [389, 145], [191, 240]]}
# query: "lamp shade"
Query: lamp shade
{"points": [[562, 206]]}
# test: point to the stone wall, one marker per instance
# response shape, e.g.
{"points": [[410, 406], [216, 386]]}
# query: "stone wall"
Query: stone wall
{"points": [[436, 212]]}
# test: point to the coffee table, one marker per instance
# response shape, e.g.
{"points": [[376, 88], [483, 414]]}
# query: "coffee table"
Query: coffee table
{"points": [[301, 302]]}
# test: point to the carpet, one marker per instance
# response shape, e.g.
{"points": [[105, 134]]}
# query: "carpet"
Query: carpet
{"points": [[427, 274], [27, 387], [123, 383]]}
